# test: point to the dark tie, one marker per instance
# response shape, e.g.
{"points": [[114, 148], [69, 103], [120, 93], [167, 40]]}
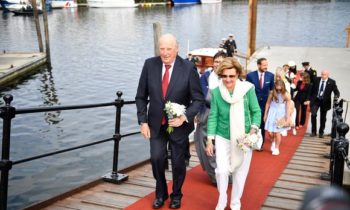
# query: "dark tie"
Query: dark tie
{"points": [[261, 81], [165, 83], [320, 93]]}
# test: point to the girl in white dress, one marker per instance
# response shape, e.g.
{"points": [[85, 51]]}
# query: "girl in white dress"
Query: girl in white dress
{"points": [[277, 108], [280, 75]]}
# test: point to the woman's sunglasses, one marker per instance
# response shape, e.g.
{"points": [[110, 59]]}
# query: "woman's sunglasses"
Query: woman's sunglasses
{"points": [[227, 76]]}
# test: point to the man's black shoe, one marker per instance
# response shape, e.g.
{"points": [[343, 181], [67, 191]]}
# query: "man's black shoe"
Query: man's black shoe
{"points": [[313, 135], [175, 204], [158, 203], [320, 135]]}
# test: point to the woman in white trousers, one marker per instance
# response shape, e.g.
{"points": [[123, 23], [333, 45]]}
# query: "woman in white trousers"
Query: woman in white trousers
{"points": [[234, 112]]}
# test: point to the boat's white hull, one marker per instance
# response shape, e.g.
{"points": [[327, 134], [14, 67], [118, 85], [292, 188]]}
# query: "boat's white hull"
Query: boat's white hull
{"points": [[210, 1], [63, 4], [14, 7], [111, 3]]}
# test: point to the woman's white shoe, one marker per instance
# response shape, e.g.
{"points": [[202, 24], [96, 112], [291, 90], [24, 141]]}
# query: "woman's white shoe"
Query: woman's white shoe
{"points": [[272, 146], [276, 152], [294, 132]]}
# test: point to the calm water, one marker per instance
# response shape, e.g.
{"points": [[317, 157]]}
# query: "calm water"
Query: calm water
{"points": [[96, 52]]}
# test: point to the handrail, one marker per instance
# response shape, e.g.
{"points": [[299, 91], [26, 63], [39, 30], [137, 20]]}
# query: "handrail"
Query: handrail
{"points": [[69, 107], [339, 146], [7, 113], [69, 149], [60, 108], [59, 151]]}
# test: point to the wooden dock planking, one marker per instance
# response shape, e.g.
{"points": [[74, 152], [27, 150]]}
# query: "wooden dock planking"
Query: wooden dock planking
{"points": [[111, 196], [281, 203], [302, 173], [285, 193], [72, 203]]}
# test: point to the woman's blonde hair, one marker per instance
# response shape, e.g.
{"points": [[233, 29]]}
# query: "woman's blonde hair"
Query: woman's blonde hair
{"points": [[230, 63], [280, 72]]}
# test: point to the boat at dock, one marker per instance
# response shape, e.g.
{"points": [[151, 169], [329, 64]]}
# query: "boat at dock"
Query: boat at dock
{"points": [[179, 2], [210, 1], [111, 3], [58, 4], [11, 5], [26, 10], [204, 57]]}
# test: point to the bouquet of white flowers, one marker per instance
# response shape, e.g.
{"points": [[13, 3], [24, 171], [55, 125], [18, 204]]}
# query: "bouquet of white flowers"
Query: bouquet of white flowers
{"points": [[248, 142], [283, 123], [173, 110]]}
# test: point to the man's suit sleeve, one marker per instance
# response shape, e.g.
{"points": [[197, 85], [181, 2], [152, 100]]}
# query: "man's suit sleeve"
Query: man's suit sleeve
{"points": [[309, 92], [335, 90], [196, 94], [142, 96], [249, 79]]}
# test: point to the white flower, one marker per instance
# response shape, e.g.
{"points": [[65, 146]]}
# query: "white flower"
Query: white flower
{"points": [[173, 110], [247, 142]]}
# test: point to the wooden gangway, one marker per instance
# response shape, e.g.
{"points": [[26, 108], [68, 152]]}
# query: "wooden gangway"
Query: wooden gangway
{"points": [[302, 173]]}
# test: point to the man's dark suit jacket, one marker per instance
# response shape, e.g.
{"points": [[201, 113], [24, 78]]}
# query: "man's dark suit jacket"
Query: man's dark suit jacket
{"points": [[331, 86], [261, 93], [184, 88]]}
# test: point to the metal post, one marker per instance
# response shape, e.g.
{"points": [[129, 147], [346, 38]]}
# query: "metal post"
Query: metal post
{"points": [[340, 145], [114, 176], [7, 112], [336, 119]]}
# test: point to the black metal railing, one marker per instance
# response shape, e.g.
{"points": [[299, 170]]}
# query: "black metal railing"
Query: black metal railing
{"points": [[8, 112], [336, 119], [339, 146]]}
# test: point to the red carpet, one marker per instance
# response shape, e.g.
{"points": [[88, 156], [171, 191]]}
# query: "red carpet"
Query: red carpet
{"points": [[200, 194]]}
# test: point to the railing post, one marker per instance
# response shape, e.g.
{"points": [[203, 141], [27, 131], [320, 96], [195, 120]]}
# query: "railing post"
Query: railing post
{"points": [[7, 112], [336, 119], [114, 176], [341, 145]]}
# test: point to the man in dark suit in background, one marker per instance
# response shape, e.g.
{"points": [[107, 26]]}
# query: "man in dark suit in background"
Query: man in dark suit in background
{"points": [[263, 81], [321, 97], [168, 77]]}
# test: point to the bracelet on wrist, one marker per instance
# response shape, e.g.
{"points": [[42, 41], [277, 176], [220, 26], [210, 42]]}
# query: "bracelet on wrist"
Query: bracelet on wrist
{"points": [[209, 142]]}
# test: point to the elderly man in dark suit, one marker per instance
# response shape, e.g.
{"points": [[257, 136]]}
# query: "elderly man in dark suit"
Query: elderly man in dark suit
{"points": [[168, 77], [321, 99], [263, 81]]}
